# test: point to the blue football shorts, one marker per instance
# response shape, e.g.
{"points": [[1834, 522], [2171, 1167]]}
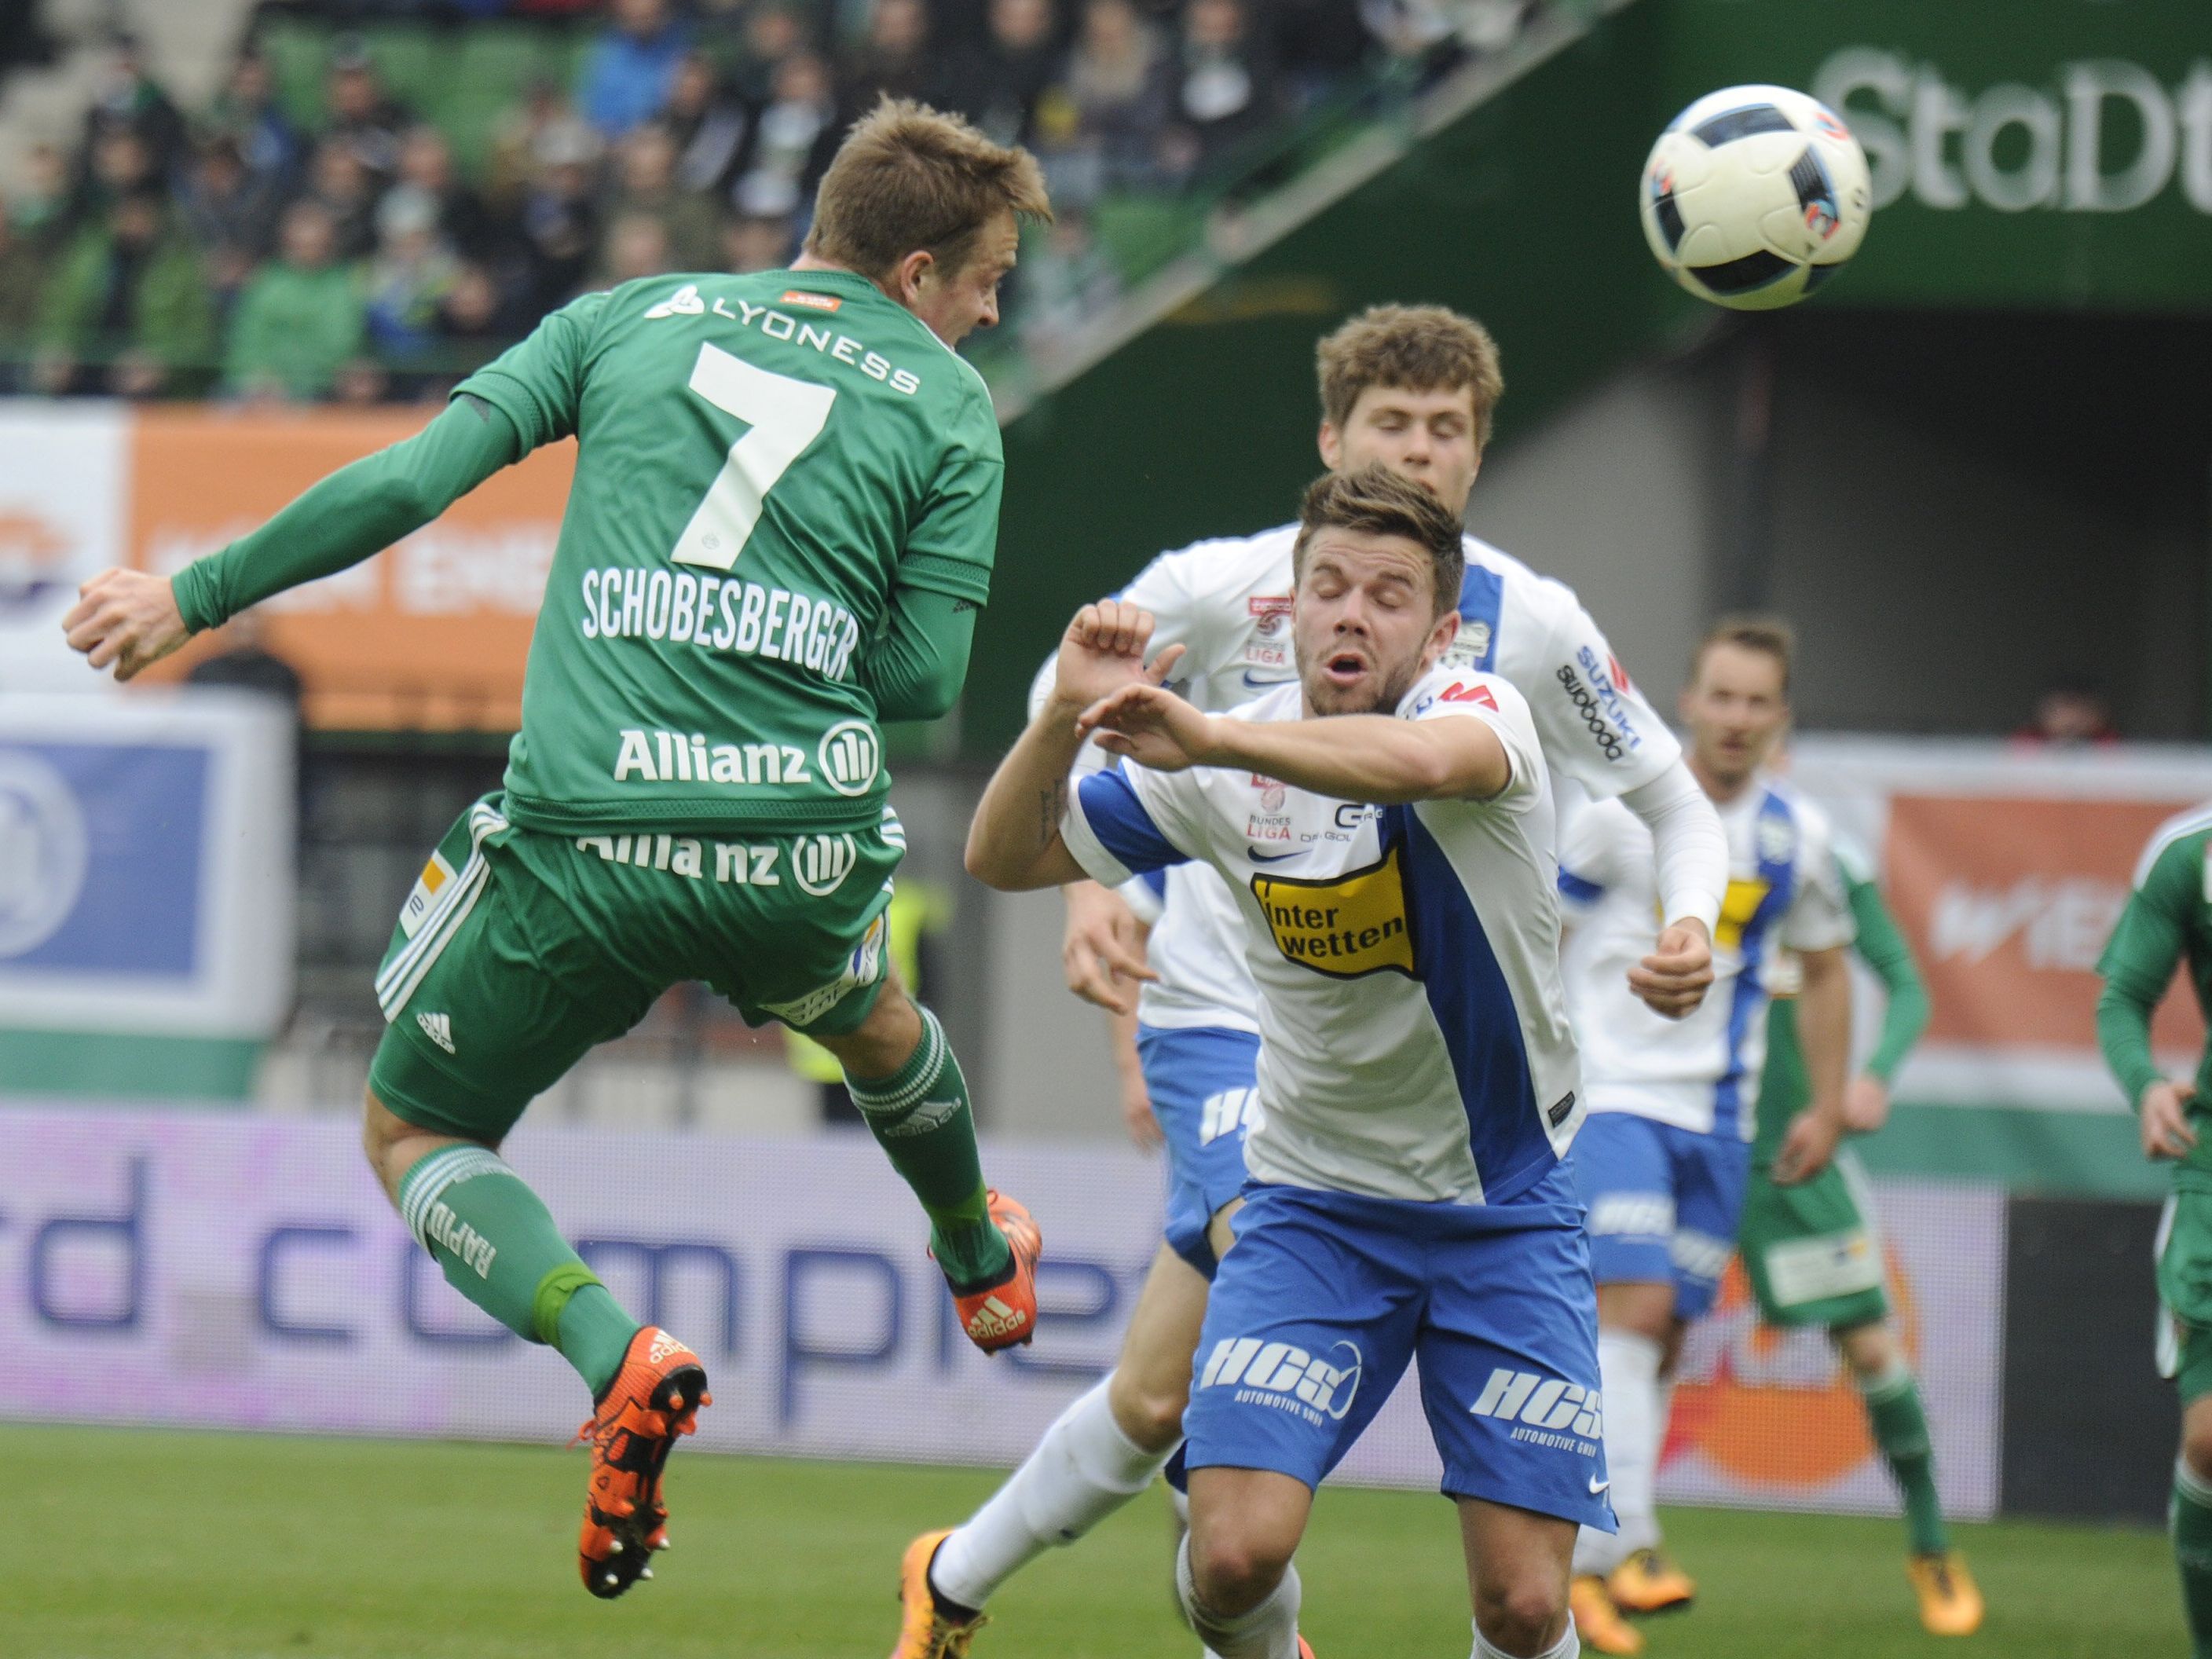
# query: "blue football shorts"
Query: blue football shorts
{"points": [[1664, 1204], [1202, 1082], [1328, 1296]]}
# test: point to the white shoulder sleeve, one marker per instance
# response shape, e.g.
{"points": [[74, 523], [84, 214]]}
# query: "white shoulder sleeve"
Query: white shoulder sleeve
{"points": [[1687, 840]]}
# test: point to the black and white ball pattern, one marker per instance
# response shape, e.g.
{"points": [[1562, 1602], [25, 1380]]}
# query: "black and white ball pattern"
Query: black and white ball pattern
{"points": [[1755, 196]]}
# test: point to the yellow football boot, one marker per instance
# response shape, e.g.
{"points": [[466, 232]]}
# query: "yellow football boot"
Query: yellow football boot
{"points": [[1950, 1603]]}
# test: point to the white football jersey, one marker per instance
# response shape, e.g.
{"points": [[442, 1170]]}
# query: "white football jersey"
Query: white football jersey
{"points": [[1700, 1074], [1413, 1033], [1228, 602]]}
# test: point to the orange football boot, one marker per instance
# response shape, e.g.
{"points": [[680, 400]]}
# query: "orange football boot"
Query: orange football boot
{"points": [[1597, 1620], [655, 1397], [1000, 1315], [1950, 1603], [1647, 1582], [925, 1632]]}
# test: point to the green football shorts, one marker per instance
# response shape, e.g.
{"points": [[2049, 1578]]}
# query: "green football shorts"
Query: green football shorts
{"points": [[1812, 1251], [519, 951], [2184, 1293]]}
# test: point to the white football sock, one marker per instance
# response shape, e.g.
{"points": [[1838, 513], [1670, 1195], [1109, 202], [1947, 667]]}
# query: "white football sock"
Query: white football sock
{"points": [[1270, 1631], [1628, 1381], [1567, 1647], [1082, 1471]]}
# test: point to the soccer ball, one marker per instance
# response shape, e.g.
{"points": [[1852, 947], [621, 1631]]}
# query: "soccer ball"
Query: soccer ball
{"points": [[1755, 196]]}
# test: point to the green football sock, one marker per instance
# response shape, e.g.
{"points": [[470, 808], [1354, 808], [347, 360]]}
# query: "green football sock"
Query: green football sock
{"points": [[499, 1248], [920, 1116], [1900, 1429], [2189, 1516]]}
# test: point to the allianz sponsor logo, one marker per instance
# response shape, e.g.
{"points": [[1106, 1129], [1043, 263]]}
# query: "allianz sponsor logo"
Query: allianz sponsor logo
{"points": [[1317, 1387], [724, 613], [445, 1228], [1544, 1411], [818, 863], [2100, 135], [849, 755], [2059, 923]]}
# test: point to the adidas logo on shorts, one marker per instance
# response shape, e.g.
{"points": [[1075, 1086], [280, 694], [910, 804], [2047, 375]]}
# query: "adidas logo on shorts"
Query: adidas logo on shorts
{"points": [[439, 1028]]}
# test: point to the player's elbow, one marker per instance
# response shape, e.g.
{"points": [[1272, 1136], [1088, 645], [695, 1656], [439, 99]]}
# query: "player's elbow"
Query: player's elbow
{"points": [[992, 860]]}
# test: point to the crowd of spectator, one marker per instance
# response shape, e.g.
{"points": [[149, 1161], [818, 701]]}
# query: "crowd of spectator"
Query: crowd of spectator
{"points": [[229, 250]]}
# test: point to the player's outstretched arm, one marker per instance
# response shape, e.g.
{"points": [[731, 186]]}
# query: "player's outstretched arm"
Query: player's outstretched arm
{"points": [[1823, 1032], [1363, 757], [1905, 1013], [128, 619], [1014, 843]]}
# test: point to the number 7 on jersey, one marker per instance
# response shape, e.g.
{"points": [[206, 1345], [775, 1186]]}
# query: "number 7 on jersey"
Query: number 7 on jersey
{"points": [[783, 416]]}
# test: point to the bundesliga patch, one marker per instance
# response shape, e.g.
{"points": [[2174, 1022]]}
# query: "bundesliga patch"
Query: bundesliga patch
{"points": [[800, 296], [432, 882], [1346, 927]]}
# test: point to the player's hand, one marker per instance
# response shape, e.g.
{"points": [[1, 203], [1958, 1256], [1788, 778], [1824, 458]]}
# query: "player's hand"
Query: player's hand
{"points": [[2165, 1117], [126, 619], [1104, 650], [1673, 980], [1137, 1114], [1102, 949], [1866, 1105], [1150, 725], [1810, 1143]]}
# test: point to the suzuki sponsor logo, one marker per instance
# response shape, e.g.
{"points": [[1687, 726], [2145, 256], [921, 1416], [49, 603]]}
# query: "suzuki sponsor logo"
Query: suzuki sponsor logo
{"points": [[1545, 1411], [2100, 135], [1319, 1388], [1608, 740]]}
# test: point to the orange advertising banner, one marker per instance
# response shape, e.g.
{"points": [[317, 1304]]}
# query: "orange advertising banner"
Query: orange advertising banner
{"points": [[2007, 868], [429, 636], [2009, 901]]}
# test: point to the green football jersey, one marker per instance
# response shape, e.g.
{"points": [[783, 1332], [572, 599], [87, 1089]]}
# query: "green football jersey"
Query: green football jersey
{"points": [[2168, 918], [761, 461], [1784, 1088]]}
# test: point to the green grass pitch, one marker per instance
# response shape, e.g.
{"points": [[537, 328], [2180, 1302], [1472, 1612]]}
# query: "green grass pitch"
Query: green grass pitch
{"points": [[147, 1545]]}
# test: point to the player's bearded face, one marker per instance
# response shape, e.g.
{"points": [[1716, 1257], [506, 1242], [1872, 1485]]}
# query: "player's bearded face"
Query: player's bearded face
{"points": [[1426, 437], [1736, 711], [1365, 622]]}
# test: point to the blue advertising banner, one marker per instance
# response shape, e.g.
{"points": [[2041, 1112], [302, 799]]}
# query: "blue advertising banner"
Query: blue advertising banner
{"points": [[146, 880]]}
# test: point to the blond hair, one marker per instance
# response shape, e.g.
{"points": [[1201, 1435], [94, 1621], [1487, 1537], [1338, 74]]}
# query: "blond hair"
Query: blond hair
{"points": [[1376, 501], [908, 178], [1411, 348]]}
